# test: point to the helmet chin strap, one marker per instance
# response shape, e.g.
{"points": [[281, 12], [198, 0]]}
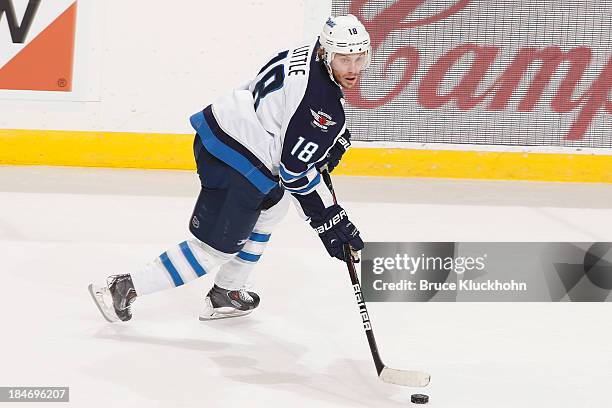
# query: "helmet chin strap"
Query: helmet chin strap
{"points": [[327, 62]]}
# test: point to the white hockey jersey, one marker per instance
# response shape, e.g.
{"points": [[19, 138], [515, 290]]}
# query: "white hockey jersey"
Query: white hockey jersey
{"points": [[276, 127]]}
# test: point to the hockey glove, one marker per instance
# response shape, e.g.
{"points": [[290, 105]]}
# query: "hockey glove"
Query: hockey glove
{"points": [[334, 155], [335, 230]]}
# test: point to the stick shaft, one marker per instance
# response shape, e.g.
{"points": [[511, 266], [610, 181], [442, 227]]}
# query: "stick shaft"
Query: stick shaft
{"points": [[363, 310]]}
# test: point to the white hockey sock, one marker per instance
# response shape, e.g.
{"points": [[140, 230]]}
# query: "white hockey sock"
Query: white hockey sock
{"points": [[185, 262], [234, 274]]}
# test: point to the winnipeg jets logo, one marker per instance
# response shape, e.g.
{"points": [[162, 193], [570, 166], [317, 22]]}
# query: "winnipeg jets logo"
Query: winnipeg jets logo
{"points": [[321, 120], [330, 22]]}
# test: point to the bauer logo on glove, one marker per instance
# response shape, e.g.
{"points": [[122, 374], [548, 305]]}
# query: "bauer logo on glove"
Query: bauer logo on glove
{"points": [[329, 224], [335, 230]]}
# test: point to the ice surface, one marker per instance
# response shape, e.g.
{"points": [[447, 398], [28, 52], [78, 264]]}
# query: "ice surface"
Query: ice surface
{"points": [[61, 228]]}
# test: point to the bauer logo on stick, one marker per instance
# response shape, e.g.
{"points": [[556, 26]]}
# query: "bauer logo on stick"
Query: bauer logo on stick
{"points": [[362, 309]]}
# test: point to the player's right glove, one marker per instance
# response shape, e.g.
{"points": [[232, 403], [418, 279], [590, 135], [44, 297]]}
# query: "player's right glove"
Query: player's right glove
{"points": [[335, 230]]}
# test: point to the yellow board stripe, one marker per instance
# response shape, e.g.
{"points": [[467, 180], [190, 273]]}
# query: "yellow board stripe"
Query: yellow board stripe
{"points": [[96, 149], [477, 165], [174, 151]]}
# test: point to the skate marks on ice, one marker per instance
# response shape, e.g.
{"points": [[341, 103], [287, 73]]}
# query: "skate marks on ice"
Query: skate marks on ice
{"points": [[236, 356], [98, 181], [179, 183], [493, 193]]}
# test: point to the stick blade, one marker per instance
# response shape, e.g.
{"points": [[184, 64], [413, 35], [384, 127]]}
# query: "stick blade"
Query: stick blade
{"points": [[404, 377]]}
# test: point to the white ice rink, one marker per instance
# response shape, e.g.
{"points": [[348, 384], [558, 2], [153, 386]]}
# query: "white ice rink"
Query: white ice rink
{"points": [[61, 228]]}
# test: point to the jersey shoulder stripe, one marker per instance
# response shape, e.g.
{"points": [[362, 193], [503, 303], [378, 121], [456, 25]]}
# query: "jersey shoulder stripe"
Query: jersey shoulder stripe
{"points": [[226, 148]]}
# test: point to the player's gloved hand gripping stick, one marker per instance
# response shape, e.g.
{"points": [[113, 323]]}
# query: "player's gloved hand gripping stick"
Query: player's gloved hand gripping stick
{"points": [[333, 157], [407, 378], [335, 230]]}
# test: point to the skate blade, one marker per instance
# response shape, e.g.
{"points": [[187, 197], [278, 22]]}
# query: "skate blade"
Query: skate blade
{"points": [[97, 294], [215, 315], [211, 313]]}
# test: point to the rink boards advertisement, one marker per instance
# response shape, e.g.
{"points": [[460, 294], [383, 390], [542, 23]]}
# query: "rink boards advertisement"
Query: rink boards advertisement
{"points": [[488, 72], [47, 51], [457, 88], [487, 272]]}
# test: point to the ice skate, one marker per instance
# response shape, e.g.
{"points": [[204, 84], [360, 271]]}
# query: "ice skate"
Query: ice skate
{"points": [[114, 299], [222, 303]]}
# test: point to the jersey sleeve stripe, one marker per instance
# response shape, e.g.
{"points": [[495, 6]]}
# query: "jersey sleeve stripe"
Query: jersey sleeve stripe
{"points": [[296, 184], [301, 182], [313, 183], [288, 176]]}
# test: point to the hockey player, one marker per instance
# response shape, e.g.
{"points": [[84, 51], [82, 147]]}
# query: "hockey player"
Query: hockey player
{"points": [[255, 148]]}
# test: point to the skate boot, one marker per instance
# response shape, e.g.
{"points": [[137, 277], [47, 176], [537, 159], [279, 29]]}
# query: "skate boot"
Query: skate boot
{"points": [[114, 299], [222, 303]]}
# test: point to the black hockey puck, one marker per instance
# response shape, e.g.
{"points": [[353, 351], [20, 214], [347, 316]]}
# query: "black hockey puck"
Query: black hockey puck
{"points": [[419, 398]]}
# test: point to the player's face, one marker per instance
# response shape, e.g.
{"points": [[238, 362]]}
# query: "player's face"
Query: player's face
{"points": [[347, 68]]}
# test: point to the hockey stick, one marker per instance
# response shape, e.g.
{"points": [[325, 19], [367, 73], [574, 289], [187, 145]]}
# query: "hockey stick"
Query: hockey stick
{"points": [[406, 378]]}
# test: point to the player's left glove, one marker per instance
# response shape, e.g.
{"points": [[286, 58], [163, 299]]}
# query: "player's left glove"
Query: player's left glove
{"points": [[334, 155], [335, 230]]}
